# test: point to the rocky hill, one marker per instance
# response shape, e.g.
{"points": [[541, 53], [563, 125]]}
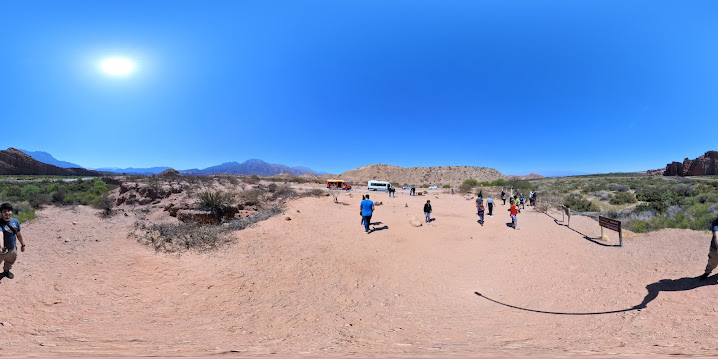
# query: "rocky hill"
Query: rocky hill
{"points": [[703, 165], [249, 167], [16, 162], [441, 175]]}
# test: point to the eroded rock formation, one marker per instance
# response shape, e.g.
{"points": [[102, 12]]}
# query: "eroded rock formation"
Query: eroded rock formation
{"points": [[703, 165], [16, 162]]}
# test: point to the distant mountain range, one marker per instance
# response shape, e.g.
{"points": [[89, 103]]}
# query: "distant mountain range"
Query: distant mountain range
{"points": [[47, 158], [134, 171], [249, 167]]}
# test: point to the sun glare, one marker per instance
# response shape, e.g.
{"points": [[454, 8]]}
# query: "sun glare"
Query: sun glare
{"points": [[117, 66]]}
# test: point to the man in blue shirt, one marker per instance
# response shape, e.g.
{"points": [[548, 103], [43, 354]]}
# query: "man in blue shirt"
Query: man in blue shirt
{"points": [[367, 209], [11, 234], [713, 252]]}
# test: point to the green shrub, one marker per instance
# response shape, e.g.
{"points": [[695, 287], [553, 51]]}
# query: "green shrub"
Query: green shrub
{"points": [[70, 199], [659, 207], [618, 187], [576, 202], [446, 186], [623, 198], [23, 212], [468, 184], [13, 191], [29, 190], [99, 186], [37, 200], [498, 183]]}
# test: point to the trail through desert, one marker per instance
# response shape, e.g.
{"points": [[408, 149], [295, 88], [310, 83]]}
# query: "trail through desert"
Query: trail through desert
{"points": [[310, 282]]}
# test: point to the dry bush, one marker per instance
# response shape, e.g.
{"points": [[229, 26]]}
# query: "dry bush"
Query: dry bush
{"points": [[316, 192], [252, 197], [260, 215], [283, 192], [542, 207], [217, 203], [105, 203], [178, 237]]}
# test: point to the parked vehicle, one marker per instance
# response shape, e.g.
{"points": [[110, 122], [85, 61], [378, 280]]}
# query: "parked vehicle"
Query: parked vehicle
{"points": [[406, 187], [341, 184], [375, 185], [433, 187]]}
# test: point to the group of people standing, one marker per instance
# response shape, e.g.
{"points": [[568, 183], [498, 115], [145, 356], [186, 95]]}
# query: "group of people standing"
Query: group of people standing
{"points": [[481, 209], [11, 227]]}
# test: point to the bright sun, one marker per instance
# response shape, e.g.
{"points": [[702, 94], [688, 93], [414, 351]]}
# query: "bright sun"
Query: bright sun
{"points": [[117, 66]]}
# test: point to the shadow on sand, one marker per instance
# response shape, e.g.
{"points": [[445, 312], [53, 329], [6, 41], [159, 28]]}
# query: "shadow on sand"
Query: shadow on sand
{"points": [[596, 240], [663, 285], [379, 228]]}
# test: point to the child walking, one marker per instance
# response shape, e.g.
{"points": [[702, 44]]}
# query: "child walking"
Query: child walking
{"points": [[427, 211], [480, 210]]}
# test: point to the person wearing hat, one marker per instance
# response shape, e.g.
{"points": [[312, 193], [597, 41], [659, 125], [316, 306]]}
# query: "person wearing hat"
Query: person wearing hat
{"points": [[11, 234]]}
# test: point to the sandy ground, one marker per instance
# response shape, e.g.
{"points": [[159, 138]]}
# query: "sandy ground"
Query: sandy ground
{"points": [[317, 285]]}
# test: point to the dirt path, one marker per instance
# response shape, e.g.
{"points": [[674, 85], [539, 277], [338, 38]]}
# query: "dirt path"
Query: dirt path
{"points": [[316, 285]]}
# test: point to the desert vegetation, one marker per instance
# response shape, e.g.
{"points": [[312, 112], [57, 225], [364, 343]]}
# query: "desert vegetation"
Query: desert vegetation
{"points": [[643, 203], [28, 193], [201, 211]]}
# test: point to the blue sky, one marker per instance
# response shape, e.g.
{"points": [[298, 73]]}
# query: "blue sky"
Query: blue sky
{"points": [[520, 86]]}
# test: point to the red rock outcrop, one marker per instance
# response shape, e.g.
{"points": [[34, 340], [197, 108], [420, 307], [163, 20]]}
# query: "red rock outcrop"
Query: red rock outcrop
{"points": [[16, 162], [703, 165]]}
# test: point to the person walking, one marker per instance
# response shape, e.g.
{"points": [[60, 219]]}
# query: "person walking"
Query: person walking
{"points": [[531, 198], [513, 212], [361, 214], [367, 210], [503, 197], [427, 211], [480, 211], [522, 200], [490, 204], [11, 234], [712, 252]]}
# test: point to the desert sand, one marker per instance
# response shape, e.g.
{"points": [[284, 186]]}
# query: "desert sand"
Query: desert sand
{"points": [[311, 283]]}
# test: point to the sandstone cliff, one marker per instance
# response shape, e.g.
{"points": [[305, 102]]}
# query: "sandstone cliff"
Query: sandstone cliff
{"points": [[441, 175], [16, 162], [703, 165]]}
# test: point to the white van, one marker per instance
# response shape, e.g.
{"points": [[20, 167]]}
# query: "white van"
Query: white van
{"points": [[379, 185]]}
